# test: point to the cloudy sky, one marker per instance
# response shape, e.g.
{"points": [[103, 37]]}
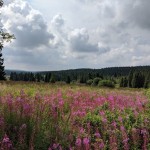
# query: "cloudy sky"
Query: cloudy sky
{"points": [[67, 34]]}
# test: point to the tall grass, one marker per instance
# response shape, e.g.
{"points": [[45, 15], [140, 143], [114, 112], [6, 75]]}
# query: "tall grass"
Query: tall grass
{"points": [[53, 117]]}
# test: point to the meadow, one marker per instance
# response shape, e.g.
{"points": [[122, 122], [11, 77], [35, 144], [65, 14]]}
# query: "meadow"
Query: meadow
{"points": [[68, 117]]}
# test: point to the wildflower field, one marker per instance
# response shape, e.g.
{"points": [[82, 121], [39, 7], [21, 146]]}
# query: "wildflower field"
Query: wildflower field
{"points": [[64, 117]]}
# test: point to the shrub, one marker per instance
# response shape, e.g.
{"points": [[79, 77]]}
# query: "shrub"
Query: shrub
{"points": [[106, 83], [89, 82], [96, 81]]}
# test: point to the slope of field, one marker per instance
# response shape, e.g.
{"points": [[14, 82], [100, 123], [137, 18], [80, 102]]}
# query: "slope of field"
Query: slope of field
{"points": [[55, 117]]}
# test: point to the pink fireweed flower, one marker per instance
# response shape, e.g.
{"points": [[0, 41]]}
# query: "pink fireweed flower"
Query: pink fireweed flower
{"points": [[143, 131], [78, 142], [111, 98], [146, 121], [102, 113], [136, 113], [145, 139], [55, 145], [81, 130], [125, 140], [122, 128], [97, 134], [114, 124], [27, 109], [120, 119], [10, 102], [61, 103], [104, 120], [86, 142], [6, 143], [101, 146], [60, 148]]}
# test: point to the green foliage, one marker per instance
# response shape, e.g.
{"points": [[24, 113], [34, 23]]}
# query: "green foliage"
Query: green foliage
{"points": [[52, 80], [148, 93], [94, 119], [106, 83], [89, 82], [96, 81]]}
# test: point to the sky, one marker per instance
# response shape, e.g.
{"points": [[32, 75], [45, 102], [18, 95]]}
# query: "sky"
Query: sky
{"points": [[69, 34]]}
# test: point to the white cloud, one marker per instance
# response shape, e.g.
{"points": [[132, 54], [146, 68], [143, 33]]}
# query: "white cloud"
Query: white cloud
{"points": [[77, 33], [27, 24], [58, 20]]}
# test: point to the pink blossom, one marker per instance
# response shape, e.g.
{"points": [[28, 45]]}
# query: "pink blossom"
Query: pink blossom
{"points": [[101, 146], [78, 142], [86, 141], [97, 134]]}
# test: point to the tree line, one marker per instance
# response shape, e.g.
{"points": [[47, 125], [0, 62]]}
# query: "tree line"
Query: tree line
{"points": [[137, 77]]}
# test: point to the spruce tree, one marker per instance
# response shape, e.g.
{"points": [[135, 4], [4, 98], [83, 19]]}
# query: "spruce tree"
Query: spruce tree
{"points": [[125, 82], [130, 78], [68, 80], [38, 77], [89, 76], [52, 80], [121, 82], [46, 77], [3, 37], [147, 80], [2, 72], [138, 80], [134, 80]]}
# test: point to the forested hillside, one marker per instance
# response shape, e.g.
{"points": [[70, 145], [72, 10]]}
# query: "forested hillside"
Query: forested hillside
{"points": [[135, 77]]}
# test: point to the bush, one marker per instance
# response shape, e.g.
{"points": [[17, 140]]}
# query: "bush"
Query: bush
{"points": [[89, 82], [106, 83], [96, 81]]}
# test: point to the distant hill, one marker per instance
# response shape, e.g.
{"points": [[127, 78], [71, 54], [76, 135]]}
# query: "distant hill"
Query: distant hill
{"points": [[110, 71], [17, 71]]}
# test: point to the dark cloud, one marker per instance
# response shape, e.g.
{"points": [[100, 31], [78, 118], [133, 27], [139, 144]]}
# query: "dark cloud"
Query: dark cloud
{"points": [[138, 12], [79, 41]]}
